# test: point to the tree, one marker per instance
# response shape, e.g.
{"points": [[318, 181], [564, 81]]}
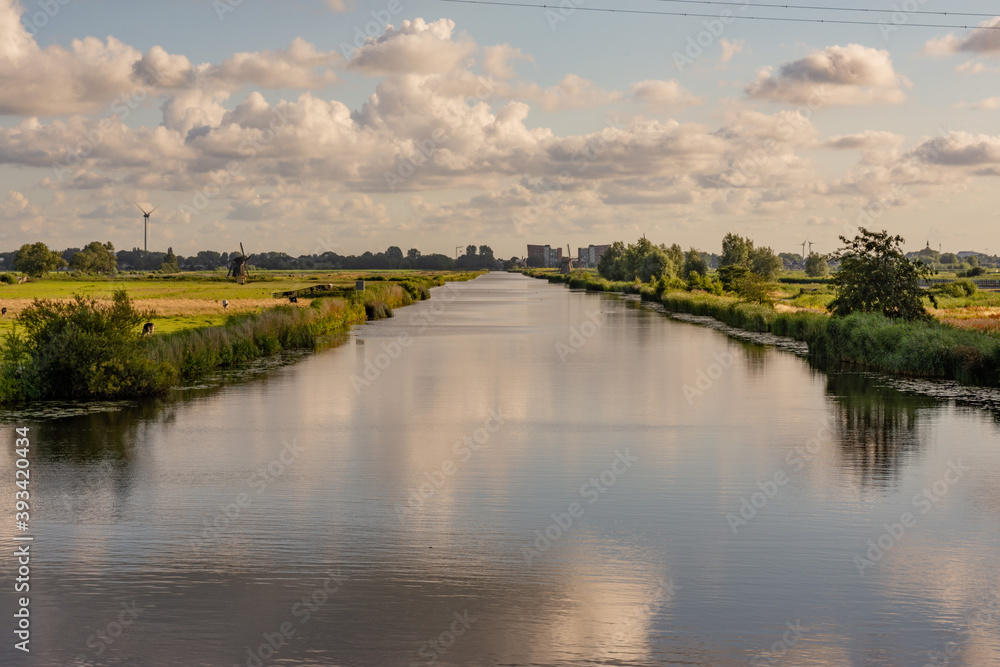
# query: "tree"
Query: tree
{"points": [[753, 287], [789, 259], [470, 250], [735, 251], [816, 265], [169, 264], [610, 264], [694, 261], [208, 259], [948, 258], [36, 260], [96, 258], [413, 254], [635, 257], [929, 255], [654, 265], [394, 254], [875, 276], [676, 255], [763, 262], [731, 275]]}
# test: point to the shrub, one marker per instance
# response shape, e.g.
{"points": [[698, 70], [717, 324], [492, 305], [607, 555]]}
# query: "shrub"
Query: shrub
{"points": [[958, 288], [81, 349], [376, 309], [754, 288]]}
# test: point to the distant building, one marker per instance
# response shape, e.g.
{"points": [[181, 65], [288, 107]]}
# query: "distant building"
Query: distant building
{"points": [[589, 257], [544, 255]]}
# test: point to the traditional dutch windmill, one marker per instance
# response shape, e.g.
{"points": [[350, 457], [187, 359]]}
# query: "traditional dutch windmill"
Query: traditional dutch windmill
{"points": [[238, 266]]}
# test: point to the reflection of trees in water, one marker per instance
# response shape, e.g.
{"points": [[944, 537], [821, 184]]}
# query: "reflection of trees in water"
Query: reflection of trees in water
{"points": [[101, 436], [877, 426], [755, 358], [110, 432]]}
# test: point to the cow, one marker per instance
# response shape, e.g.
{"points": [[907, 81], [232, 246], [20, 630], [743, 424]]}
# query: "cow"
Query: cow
{"points": [[147, 329]]}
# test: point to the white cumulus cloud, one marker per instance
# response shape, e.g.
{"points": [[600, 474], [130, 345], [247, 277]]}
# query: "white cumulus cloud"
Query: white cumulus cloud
{"points": [[837, 76]]}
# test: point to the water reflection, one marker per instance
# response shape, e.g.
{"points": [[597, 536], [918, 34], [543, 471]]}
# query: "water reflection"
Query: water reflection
{"points": [[756, 358], [650, 575], [101, 436], [878, 428]]}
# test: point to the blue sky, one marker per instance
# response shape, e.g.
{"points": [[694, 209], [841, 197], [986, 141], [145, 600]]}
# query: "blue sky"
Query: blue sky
{"points": [[587, 131]]}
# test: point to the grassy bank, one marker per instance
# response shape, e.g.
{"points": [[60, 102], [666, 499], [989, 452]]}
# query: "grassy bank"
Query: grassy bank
{"points": [[862, 340], [91, 348], [194, 300], [243, 338]]}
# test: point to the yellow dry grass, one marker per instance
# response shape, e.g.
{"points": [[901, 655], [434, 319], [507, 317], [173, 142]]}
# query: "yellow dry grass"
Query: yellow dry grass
{"points": [[788, 308], [176, 307], [966, 313]]}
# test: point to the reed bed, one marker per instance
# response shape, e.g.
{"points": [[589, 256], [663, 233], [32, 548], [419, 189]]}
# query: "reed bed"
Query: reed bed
{"points": [[862, 340], [249, 336]]}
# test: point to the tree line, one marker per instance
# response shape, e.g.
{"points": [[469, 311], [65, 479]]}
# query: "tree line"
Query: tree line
{"points": [[35, 259], [740, 261], [873, 274]]}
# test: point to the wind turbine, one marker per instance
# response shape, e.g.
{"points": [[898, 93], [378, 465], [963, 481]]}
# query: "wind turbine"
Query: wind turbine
{"points": [[804, 249], [145, 217], [811, 244]]}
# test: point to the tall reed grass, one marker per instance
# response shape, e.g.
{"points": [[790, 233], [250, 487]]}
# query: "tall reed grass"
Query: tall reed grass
{"points": [[862, 340], [250, 336]]}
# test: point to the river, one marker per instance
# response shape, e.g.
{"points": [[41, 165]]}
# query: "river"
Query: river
{"points": [[513, 473]]}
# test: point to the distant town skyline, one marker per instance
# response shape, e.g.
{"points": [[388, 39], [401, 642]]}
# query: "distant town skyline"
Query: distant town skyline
{"points": [[314, 126]]}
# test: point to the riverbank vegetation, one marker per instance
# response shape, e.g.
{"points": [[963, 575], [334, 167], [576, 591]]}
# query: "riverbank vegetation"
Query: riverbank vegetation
{"points": [[90, 347], [872, 315], [194, 300]]}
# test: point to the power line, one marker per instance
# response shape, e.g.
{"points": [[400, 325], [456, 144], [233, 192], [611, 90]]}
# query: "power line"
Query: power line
{"points": [[715, 16], [827, 9]]}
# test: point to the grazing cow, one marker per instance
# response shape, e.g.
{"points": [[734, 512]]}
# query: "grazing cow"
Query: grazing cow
{"points": [[147, 329], [225, 304], [293, 299], [3, 311]]}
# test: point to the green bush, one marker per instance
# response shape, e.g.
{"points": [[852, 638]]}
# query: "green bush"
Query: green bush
{"points": [[376, 309], [958, 288], [7, 278], [81, 349]]}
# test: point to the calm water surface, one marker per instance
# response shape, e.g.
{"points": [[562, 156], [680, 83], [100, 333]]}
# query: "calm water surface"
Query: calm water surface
{"points": [[517, 474]]}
